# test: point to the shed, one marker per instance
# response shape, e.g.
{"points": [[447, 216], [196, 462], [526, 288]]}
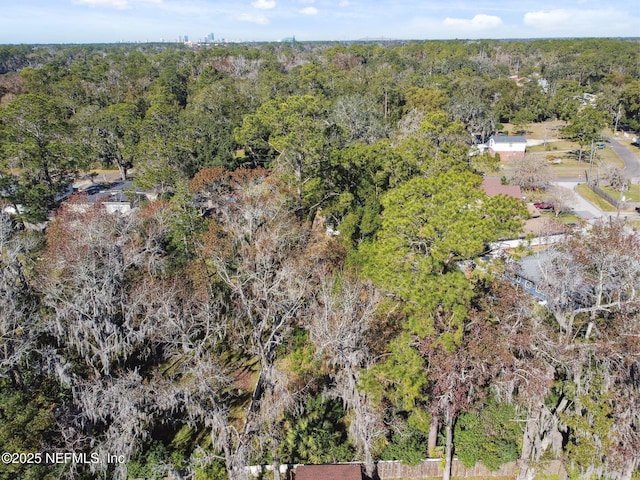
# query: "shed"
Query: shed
{"points": [[328, 472]]}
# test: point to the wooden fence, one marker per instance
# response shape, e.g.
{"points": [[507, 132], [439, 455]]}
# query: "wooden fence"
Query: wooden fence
{"points": [[598, 191], [593, 184], [431, 468]]}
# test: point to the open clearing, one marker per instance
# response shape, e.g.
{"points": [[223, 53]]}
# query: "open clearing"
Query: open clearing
{"points": [[562, 155]]}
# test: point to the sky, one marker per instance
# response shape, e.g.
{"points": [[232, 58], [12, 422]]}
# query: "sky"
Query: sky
{"points": [[109, 21]]}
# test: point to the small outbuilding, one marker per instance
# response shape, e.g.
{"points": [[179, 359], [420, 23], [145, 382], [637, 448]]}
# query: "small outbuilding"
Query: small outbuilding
{"points": [[509, 147], [328, 472]]}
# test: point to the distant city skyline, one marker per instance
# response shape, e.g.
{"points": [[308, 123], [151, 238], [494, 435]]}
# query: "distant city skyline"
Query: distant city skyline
{"points": [[110, 21]]}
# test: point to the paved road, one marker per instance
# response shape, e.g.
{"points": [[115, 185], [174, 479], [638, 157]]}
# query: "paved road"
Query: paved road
{"points": [[631, 161], [589, 212], [581, 207]]}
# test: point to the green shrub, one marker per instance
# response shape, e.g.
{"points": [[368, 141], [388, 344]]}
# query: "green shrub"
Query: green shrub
{"points": [[491, 437], [409, 447]]}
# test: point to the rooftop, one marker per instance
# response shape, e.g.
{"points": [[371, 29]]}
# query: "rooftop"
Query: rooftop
{"points": [[328, 472], [493, 186], [509, 139]]}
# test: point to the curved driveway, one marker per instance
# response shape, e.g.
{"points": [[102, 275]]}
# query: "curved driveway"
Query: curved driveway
{"points": [[631, 162], [581, 207]]}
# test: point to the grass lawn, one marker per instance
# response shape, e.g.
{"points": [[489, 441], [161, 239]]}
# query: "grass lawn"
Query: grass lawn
{"points": [[631, 195], [562, 154], [631, 148], [610, 158], [635, 224], [558, 147], [542, 130], [568, 217], [568, 167], [592, 197]]}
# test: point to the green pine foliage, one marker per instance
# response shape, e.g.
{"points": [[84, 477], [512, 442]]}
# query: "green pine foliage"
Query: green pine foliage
{"points": [[155, 461], [401, 377], [27, 425], [491, 436], [428, 225], [590, 426], [374, 140], [317, 435], [408, 447]]}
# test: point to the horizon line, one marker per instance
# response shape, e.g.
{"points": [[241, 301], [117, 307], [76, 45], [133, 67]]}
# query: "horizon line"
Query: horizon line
{"points": [[293, 38]]}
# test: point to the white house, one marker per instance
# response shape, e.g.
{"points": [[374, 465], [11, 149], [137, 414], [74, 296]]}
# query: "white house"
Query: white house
{"points": [[509, 147]]}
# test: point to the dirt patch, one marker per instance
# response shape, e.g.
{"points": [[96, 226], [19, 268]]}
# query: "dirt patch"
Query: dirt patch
{"points": [[548, 129], [543, 225]]}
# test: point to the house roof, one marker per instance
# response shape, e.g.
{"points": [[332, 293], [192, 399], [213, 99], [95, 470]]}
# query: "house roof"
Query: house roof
{"points": [[493, 187], [328, 472], [509, 139]]}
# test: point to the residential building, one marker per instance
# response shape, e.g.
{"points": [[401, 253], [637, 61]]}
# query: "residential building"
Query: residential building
{"points": [[494, 186], [509, 147]]}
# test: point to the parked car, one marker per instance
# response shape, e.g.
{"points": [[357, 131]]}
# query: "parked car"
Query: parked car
{"points": [[543, 206], [600, 146]]}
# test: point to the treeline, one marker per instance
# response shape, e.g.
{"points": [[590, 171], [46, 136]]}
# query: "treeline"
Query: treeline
{"points": [[168, 111], [226, 324]]}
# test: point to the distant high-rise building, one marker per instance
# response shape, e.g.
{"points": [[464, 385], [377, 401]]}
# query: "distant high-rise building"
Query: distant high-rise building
{"points": [[186, 38], [210, 37]]}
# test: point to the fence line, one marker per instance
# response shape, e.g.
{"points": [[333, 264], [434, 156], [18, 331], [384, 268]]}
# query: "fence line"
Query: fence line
{"points": [[431, 468], [598, 191], [593, 185]]}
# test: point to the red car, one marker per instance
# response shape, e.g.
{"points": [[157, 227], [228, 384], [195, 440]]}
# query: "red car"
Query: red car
{"points": [[543, 206]]}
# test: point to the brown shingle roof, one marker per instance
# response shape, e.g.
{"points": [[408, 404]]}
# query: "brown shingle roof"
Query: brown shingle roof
{"points": [[493, 186], [328, 472]]}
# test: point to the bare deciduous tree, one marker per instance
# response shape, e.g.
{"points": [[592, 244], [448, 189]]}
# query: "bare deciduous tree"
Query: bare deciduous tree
{"points": [[358, 115], [18, 301], [84, 284], [339, 331], [257, 253], [531, 173], [523, 354], [595, 273], [591, 285], [561, 198]]}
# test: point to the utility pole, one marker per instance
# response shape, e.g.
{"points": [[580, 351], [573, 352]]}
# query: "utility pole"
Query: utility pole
{"points": [[618, 115]]}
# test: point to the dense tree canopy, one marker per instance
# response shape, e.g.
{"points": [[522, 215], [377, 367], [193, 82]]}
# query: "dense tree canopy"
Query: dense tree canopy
{"points": [[307, 279]]}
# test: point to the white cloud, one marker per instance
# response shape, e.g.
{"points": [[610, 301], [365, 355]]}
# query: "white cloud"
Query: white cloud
{"points": [[259, 19], [264, 4], [344, 3], [582, 22], [119, 4], [309, 11], [479, 22], [547, 19]]}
